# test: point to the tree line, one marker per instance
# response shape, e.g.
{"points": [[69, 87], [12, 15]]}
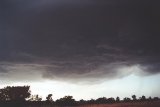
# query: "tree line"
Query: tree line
{"points": [[22, 95]]}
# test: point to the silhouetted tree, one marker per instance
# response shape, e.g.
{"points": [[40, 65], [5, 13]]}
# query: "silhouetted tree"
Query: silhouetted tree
{"points": [[155, 98], [3, 95], [101, 100], [143, 98], [126, 99], [66, 100], [18, 93], [150, 98], [38, 98], [49, 97], [91, 101], [117, 99], [134, 97], [111, 100], [82, 101], [35, 98]]}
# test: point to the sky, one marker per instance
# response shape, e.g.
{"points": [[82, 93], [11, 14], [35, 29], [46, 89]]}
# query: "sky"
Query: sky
{"points": [[84, 48]]}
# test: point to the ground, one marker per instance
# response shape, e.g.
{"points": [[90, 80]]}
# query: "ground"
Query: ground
{"points": [[135, 104]]}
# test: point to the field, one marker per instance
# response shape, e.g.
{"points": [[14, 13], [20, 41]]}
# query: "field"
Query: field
{"points": [[136, 104], [124, 104]]}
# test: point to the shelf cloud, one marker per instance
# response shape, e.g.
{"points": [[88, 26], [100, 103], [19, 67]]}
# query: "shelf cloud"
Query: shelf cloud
{"points": [[78, 40]]}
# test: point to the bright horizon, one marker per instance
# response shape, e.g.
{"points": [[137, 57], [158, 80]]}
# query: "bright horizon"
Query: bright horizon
{"points": [[123, 87]]}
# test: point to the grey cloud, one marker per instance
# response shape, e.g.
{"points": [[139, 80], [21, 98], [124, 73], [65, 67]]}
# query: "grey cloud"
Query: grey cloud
{"points": [[21, 72], [80, 39]]}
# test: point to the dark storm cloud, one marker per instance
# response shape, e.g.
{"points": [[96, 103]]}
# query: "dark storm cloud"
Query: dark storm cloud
{"points": [[80, 39]]}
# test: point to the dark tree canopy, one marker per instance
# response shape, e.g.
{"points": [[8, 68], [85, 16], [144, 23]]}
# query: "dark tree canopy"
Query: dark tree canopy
{"points": [[66, 100], [126, 99], [49, 97], [143, 97], [134, 97], [101, 100], [17, 93], [35, 98], [117, 99]]}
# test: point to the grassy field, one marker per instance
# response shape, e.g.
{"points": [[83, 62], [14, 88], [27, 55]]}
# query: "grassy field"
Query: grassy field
{"points": [[135, 104], [129, 104]]}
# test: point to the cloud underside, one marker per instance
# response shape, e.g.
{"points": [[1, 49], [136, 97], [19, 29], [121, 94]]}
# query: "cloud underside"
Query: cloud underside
{"points": [[83, 41]]}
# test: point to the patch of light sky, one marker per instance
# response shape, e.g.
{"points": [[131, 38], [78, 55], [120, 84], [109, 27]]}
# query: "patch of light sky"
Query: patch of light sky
{"points": [[122, 87]]}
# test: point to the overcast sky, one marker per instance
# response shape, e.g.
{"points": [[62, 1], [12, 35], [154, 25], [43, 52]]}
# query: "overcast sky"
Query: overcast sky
{"points": [[80, 42]]}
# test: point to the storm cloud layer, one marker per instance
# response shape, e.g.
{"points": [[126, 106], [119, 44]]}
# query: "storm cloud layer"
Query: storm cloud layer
{"points": [[78, 40]]}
